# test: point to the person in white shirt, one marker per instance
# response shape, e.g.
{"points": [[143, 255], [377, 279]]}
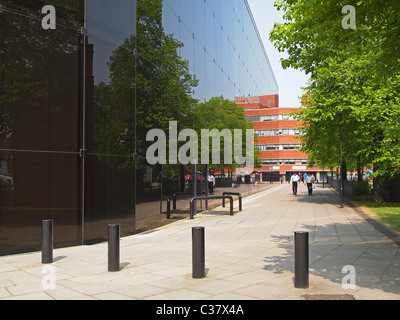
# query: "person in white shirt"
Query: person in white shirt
{"points": [[211, 183], [294, 179], [310, 181]]}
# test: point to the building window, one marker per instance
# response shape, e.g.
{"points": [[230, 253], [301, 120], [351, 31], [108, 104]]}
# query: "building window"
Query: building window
{"points": [[268, 147], [278, 132], [284, 161], [253, 118], [291, 146]]}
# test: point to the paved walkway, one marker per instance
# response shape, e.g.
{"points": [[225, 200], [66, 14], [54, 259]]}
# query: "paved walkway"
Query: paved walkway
{"points": [[248, 256]]}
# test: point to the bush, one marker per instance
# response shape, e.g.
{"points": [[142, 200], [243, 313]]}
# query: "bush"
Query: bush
{"points": [[361, 188]]}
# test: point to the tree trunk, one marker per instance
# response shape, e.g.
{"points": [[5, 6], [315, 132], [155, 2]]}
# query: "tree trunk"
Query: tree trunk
{"points": [[377, 191], [382, 192], [359, 173]]}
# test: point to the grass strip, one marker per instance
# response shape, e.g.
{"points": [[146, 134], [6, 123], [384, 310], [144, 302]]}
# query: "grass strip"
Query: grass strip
{"points": [[387, 213]]}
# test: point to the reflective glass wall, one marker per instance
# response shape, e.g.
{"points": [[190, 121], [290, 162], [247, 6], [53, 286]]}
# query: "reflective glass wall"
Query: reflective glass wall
{"points": [[188, 52], [109, 107], [63, 150], [163, 90], [223, 46], [40, 108], [77, 102]]}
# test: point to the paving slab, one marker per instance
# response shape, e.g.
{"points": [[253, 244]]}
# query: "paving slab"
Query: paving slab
{"points": [[249, 256]]}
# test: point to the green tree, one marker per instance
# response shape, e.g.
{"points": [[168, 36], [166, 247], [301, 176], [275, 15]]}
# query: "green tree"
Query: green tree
{"points": [[352, 88]]}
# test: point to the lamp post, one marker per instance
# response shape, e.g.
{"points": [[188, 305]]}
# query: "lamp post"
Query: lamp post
{"points": [[194, 181], [341, 161]]}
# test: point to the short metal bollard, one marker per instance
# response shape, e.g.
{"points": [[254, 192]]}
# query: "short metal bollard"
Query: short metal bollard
{"points": [[113, 248], [198, 252], [47, 241], [301, 260], [168, 208]]}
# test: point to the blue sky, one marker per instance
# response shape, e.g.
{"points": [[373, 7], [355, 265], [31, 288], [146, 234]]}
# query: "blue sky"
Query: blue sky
{"points": [[290, 81]]}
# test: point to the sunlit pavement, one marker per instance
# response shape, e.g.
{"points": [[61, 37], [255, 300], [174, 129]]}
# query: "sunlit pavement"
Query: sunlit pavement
{"points": [[248, 256]]}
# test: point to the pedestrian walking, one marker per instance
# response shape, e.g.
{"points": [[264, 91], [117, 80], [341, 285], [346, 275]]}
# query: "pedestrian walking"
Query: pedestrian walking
{"points": [[211, 183], [310, 184], [234, 181], [294, 179]]}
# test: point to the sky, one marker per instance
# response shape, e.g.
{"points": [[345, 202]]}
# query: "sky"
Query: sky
{"points": [[290, 81]]}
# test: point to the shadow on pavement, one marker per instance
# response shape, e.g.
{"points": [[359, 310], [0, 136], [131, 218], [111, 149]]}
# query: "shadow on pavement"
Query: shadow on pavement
{"points": [[336, 245]]}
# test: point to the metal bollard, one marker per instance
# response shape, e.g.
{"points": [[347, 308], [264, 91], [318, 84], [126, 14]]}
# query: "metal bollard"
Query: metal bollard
{"points": [[169, 208], [198, 252], [174, 202], [301, 260], [47, 241], [192, 208], [113, 248]]}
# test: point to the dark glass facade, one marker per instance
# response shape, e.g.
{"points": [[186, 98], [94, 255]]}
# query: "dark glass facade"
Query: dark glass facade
{"points": [[40, 108], [77, 101]]}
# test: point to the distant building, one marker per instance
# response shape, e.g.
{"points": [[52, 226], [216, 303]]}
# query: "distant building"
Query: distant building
{"points": [[277, 138]]}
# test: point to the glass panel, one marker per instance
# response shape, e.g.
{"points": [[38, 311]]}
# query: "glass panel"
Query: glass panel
{"points": [[39, 129], [187, 13], [109, 24], [171, 20], [109, 196], [41, 186], [210, 73], [186, 37], [109, 114], [209, 30], [200, 70], [173, 5], [69, 13], [165, 64], [198, 23]]}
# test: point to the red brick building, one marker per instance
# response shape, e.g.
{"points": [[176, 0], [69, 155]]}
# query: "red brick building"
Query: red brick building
{"points": [[277, 138]]}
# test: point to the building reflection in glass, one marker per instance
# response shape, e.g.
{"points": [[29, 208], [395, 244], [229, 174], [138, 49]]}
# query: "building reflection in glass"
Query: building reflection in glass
{"points": [[39, 136], [77, 102]]}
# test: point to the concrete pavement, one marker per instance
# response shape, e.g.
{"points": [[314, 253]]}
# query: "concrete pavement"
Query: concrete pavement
{"points": [[249, 256]]}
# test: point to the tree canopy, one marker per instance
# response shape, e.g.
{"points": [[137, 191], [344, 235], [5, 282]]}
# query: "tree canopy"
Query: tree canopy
{"points": [[354, 80]]}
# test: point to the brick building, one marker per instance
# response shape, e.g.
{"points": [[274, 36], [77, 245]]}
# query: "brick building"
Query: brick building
{"points": [[277, 138]]}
